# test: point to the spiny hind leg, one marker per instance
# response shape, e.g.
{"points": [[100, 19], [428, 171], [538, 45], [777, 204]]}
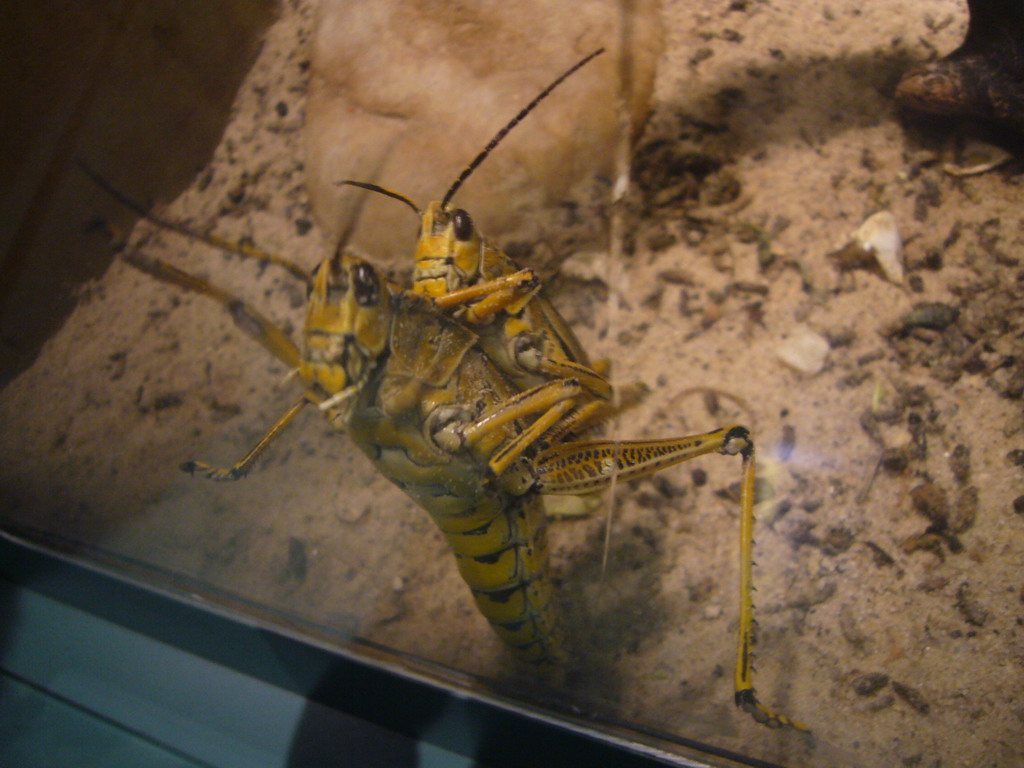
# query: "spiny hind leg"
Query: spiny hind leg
{"points": [[587, 466], [553, 409], [249, 320], [582, 419]]}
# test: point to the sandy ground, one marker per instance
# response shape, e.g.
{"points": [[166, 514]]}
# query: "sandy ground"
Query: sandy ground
{"points": [[890, 616]]}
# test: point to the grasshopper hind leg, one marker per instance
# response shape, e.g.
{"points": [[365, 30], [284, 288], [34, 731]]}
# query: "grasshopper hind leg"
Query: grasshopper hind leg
{"points": [[593, 465]]}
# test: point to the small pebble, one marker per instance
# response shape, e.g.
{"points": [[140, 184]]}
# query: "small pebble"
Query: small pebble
{"points": [[960, 463], [895, 460], [965, 511], [912, 696], [933, 315], [872, 682], [804, 350], [930, 500], [969, 607], [879, 556]]}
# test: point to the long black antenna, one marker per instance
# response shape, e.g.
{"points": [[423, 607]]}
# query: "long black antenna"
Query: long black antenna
{"points": [[383, 191], [512, 124], [241, 249]]}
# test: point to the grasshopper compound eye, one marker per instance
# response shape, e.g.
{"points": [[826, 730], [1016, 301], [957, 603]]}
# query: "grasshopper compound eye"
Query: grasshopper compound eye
{"points": [[462, 225], [366, 285]]}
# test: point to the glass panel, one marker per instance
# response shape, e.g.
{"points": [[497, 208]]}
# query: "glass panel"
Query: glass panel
{"points": [[887, 569]]}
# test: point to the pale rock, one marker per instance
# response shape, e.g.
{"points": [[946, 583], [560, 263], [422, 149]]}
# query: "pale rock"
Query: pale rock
{"points": [[804, 350]]}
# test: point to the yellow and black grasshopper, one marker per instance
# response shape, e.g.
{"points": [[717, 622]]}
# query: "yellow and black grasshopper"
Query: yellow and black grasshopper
{"points": [[520, 330], [472, 435], [527, 339], [420, 397]]}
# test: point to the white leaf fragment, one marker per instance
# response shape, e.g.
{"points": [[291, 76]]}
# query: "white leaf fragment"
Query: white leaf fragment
{"points": [[879, 236]]}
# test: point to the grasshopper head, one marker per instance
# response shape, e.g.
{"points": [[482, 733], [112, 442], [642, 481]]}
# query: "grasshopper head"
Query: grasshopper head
{"points": [[449, 254], [348, 321]]}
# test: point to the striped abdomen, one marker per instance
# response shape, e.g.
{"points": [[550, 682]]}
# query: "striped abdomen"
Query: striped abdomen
{"points": [[498, 537]]}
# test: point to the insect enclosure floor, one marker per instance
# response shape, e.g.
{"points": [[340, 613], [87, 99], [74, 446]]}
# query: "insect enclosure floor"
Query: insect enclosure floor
{"points": [[897, 636]]}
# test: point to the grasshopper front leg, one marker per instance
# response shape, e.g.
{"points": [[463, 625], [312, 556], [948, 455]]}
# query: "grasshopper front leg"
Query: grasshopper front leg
{"points": [[554, 410], [589, 466], [241, 468], [538, 345], [254, 324]]}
